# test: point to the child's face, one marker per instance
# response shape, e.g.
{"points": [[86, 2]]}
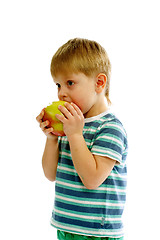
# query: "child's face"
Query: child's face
{"points": [[77, 88]]}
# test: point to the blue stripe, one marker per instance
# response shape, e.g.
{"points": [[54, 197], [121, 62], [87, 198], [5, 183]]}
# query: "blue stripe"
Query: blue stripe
{"points": [[112, 132], [90, 195], [112, 182], [63, 145], [92, 124], [86, 224], [88, 136], [88, 209], [70, 177], [66, 161], [119, 169], [109, 145], [124, 157], [73, 207]]}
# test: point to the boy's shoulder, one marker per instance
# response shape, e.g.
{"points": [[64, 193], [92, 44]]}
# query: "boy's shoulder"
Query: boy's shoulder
{"points": [[105, 117], [106, 120]]}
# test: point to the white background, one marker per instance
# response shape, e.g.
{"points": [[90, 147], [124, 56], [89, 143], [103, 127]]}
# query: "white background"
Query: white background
{"points": [[31, 31]]}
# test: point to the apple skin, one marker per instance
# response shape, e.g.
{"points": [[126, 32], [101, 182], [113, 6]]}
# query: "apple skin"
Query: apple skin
{"points": [[49, 114]]}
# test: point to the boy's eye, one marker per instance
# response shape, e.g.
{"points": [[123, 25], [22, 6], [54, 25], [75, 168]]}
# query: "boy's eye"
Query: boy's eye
{"points": [[70, 83], [58, 85]]}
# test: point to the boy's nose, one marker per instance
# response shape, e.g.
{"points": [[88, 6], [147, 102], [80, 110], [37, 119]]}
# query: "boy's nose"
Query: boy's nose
{"points": [[62, 94]]}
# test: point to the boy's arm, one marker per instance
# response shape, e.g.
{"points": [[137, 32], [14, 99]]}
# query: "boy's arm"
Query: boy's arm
{"points": [[51, 151], [92, 169], [50, 158]]}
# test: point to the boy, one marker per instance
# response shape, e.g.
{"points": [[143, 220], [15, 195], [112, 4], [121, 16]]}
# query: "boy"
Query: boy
{"points": [[89, 163]]}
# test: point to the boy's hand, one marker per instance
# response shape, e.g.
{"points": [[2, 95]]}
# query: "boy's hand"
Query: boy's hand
{"points": [[72, 119], [44, 125]]}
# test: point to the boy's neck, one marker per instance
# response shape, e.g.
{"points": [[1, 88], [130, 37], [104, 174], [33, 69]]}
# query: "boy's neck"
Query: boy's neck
{"points": [[98, 108]]}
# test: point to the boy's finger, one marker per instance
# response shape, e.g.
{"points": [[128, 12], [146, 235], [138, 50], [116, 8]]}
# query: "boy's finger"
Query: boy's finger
{"points": [[44, 124], [71, 109], [48, 130], [66, 113], [77, 109], [40, 116], [42, 113], [60, 118]]}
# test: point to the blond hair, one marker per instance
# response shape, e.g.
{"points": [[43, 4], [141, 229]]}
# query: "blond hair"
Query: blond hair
{"points": [[82, 55]]}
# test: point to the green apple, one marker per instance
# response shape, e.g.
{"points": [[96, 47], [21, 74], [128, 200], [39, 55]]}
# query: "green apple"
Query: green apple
{"points": [[49, 114]]}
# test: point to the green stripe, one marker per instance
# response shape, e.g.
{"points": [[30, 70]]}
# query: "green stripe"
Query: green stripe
{"points": [[102, 153], [109, 141], [77, 229], [84, 204], [87, 190], [66, 171], [82, 199], [84, 219], [67, 166]]}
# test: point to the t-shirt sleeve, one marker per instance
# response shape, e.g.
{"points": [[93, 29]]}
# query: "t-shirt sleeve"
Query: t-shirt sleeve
{"points": [[110, 141]]}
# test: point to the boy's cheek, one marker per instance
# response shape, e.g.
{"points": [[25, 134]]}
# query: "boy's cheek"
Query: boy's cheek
{"points": [[81, 104], [80, 107]]}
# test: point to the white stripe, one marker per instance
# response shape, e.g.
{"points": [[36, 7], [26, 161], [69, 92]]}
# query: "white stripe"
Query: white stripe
{"points": [[67, 169], [64, 140], [80, 201], [111, 189], [77, 215], [83, 187], [66, 154], [90, 130], [118, 175], [105, 151], [112, 139], [90, 202], [82, 231], [98, 117], [114, 125], [70, 185], [85, 216]]}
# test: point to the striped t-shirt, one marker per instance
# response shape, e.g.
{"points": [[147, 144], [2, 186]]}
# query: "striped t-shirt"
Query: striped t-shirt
{"points": [[93, 212]]}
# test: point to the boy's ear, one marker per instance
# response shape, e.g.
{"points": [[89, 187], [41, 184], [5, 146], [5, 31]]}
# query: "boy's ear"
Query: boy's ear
{"points": [[101, 80]]}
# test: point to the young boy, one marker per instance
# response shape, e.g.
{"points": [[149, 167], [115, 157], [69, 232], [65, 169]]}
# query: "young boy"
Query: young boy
{"points": [[89, 163]]}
